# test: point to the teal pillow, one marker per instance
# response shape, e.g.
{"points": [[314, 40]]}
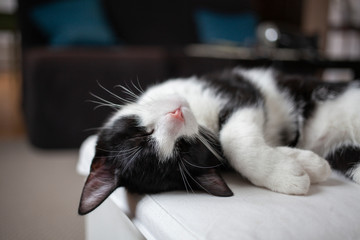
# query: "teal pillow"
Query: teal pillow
{"points": [[216, 27], [73, 22]]}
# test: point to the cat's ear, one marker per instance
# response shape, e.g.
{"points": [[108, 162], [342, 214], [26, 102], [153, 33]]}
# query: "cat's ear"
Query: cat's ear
{"points": [[212, 182], [100, 183]]}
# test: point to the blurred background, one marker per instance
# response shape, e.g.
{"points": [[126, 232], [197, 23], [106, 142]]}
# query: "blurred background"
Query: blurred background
{"points": [[54, 53]]}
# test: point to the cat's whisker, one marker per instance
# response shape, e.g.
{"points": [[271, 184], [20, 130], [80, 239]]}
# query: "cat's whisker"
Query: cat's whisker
{"points": [[127, 165], [130, 90], [138, 88], [185, 178], [104, 101], [209, 135], [131, 152], [127, 91], [193, 165], [118, 151], [120, 155], [115, 95], [210, 148], [96, 129], [104, 104], [188, 173]]}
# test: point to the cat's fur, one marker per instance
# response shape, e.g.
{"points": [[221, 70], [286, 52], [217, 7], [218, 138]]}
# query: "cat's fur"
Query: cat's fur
{"points": [[273, 130]]}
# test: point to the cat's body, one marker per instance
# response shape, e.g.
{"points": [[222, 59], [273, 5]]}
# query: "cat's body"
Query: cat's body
{"points": [[177, 133]]}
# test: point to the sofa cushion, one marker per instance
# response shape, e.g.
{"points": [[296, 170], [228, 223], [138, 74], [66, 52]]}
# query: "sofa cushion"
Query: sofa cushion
{"points": [[329, 211], [220, 27], [73, 22]]}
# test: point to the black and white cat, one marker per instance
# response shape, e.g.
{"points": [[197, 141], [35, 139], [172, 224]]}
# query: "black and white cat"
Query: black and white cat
{"points": [[274, 130]]}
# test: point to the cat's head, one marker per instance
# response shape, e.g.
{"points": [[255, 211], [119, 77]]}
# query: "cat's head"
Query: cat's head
{"points": [[151, 146]]}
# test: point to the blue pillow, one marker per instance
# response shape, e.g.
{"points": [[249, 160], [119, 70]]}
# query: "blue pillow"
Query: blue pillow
{"points": [[73, 22], [215, 27]]}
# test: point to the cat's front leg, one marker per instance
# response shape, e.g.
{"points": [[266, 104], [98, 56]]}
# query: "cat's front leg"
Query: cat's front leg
{"points": [[242, 139]]}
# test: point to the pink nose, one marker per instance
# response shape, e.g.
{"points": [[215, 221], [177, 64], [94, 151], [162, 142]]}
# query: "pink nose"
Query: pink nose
{"points": [[177, 114]]}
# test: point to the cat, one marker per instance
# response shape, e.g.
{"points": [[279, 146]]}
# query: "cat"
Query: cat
{"points": [[275, 130]]}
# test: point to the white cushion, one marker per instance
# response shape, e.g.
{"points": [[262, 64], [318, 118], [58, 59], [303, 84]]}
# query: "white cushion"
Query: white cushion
{"points": [[331, 210]]}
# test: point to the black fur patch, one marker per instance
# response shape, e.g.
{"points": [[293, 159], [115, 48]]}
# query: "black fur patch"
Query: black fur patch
{"points": [[307, 92], [237, 89], [344, 158], [130, 149]]}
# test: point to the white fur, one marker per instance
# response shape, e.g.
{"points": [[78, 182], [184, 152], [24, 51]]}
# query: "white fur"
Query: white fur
{"points": [[354, 173], [279, 105], [334, 121], [282, 169], [316, 167]]}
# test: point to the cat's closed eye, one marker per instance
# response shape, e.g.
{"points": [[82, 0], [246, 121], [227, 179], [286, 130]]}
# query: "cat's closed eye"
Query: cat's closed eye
{"points": [[143, 135]]}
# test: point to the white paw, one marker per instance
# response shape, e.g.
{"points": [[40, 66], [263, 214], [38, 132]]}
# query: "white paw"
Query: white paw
{"points": [[288, 177], [316, 167]]}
